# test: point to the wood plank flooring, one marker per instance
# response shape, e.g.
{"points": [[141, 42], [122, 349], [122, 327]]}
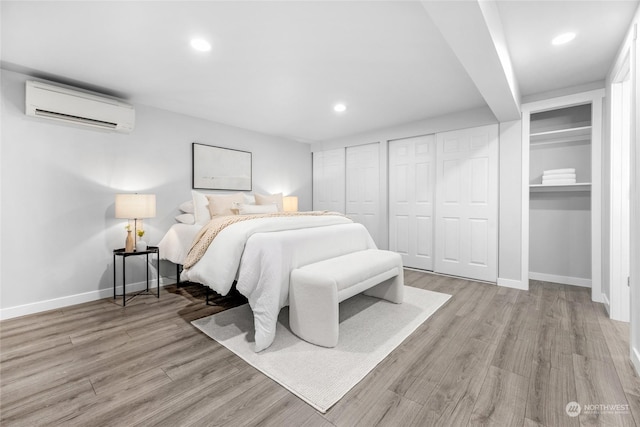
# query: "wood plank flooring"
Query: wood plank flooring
{"points": [[490, 356]]}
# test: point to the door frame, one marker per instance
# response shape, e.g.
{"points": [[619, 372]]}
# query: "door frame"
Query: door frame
{"points": [[618, 304]]}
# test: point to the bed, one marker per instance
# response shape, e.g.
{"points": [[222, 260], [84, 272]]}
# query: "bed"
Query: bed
{"points": [[258, 254], [176, 243]]}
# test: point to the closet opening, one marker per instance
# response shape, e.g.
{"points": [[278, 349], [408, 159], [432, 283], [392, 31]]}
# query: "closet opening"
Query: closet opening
{"points": [[560, 214]]}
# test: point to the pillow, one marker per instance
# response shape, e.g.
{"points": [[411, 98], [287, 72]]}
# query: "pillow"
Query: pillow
{"points": [[270, 199], [200, 208], [186, 218], [222, 204], [249, 199], [187, 207], [244, 209]]}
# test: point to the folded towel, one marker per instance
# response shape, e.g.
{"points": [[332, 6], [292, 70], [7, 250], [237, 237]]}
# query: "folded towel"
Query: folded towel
{"points": [[559, 171], [558, 181], [563, 176], [553, 178], [560, 176]]}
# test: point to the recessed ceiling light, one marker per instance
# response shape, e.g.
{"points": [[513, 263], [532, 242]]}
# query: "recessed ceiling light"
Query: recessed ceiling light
{"points": [[339, 108], [563, 38], [201, 45]]}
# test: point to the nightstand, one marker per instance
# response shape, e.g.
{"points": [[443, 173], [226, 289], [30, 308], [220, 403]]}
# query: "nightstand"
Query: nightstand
{"points": [[124, 255]]}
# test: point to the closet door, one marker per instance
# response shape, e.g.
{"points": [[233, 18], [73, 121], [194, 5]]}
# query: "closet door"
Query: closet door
{"points": [[411, 192], [329, 180], [363, 187], [467, 203]]}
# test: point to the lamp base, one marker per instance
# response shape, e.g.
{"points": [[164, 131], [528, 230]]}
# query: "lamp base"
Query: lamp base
{"points": [[128, 243]]}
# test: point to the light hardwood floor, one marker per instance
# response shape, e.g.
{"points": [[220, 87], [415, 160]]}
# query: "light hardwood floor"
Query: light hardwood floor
{"points": [[490, 356]]}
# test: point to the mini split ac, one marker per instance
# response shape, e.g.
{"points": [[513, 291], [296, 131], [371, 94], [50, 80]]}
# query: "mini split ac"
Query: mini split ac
{"points": [[78, 107]]}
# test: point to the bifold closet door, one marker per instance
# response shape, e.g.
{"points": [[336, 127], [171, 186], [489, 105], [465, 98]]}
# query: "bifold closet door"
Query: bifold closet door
{"points": [[363, 187], [466, 232], [411, 193], [329, 180]]}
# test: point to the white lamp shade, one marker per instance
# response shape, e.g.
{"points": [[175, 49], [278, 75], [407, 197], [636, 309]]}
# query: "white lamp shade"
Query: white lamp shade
{"points": [[290, 204], [135, 206]]}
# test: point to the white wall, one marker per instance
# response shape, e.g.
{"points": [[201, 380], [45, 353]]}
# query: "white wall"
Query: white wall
{"points": [[635, 198], [635, 202], [630, 44], [510, 216], [461, 120], [58, 185], [635, 192]]}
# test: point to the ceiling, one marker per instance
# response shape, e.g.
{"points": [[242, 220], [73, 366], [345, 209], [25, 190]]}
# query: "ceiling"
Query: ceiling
{"points": [[279, 67], [530, 25]]}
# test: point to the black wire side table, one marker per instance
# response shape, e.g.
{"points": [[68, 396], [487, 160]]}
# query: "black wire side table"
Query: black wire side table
{"points": [[121, 253]]}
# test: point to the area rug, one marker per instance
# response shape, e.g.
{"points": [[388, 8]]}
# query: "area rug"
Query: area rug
{"points": [[370, 329]]}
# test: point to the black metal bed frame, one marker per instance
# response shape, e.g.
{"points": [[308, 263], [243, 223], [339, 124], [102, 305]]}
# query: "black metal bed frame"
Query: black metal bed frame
{"points": [[208, 291]]}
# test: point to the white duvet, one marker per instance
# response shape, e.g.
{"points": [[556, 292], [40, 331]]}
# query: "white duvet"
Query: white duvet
{"points": [[262, 253], [176, 243]]}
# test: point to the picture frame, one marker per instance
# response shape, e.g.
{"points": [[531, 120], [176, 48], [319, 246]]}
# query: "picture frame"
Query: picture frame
{"points": [[219, 168]]}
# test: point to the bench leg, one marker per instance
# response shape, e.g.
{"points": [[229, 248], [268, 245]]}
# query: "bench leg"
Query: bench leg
{"points": [[390, 290], [313, 309]]}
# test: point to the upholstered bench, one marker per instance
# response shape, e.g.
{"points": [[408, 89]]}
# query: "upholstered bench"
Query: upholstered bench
{"points": [[316, 289]]}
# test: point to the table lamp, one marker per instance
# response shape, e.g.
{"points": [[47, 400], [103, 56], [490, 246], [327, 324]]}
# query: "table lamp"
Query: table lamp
{"points": [[290, 203], [135, 207]]}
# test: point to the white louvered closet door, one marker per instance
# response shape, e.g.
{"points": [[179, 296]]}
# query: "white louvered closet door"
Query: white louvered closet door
{"points": [[467, 203], [363, 187], [411, 200], [329, 180]]}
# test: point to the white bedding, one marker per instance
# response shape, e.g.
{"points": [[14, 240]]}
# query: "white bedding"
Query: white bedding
{"points": [[176, 243], [272, 248], [269, 259]]}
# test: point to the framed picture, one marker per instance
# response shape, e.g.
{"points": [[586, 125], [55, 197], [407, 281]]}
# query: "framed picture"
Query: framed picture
{"points": [[217, 168]]}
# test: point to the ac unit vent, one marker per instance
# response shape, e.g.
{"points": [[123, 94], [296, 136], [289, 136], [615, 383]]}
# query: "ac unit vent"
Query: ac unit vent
{"points": [[78, 107], [76, 119]]}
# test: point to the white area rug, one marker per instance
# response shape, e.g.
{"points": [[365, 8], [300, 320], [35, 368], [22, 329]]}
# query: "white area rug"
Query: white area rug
{"points": [[370, 329]]}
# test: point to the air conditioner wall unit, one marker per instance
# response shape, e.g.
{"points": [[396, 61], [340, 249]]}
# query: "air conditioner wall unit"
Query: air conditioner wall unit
{"points": [[77, 107]]}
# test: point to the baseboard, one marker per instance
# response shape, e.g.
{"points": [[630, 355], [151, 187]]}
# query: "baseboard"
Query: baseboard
{"points": [[565, 280], [515, 284], [635, 359], [607, 304], [56, 303]]}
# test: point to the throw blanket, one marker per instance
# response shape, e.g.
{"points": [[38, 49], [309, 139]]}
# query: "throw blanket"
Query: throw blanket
{"points": [[209, 232]]}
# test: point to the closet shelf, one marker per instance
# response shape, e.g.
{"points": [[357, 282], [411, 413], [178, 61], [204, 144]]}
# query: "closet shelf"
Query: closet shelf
{"points": [[582, 133], [581, 186]]}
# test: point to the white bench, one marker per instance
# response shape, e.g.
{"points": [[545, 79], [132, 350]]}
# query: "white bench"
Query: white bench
{"points": [[317, 289]]}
